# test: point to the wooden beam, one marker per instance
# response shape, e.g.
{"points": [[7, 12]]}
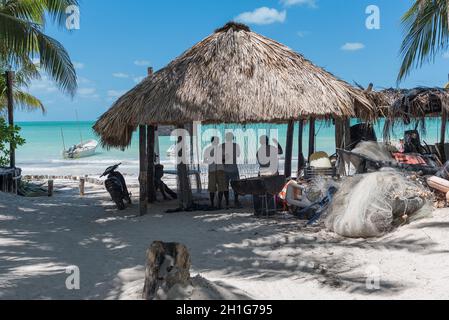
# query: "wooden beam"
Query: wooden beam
{"points": [[151, 138], [311, 137], [10, 101], [301, 160], [143, 175], [289, 149]]}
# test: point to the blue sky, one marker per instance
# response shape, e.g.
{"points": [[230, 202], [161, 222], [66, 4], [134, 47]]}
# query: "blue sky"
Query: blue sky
{"points": [[117, 40]]}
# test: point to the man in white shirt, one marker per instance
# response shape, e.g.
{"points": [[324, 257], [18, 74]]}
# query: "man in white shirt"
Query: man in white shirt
{"points": [[268, 157]]}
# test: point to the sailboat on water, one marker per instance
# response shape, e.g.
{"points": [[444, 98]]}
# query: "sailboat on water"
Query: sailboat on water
{"points": [[81, 150]]}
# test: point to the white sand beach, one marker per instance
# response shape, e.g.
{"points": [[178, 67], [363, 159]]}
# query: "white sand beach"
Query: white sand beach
{"points": [[234, 255]]}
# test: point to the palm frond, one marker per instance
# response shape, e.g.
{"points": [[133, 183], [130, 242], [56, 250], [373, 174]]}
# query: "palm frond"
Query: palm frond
{"points": [[426, 29], [27, 102]]}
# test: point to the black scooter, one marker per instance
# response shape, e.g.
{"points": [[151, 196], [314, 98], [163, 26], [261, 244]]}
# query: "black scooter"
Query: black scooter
{"points": [[116, 186]]}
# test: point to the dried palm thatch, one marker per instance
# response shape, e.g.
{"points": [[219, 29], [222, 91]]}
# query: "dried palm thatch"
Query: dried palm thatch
{"points": [[232, 76], [412, 106]]}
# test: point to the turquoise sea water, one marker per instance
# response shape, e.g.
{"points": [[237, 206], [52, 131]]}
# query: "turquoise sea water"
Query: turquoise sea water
{"points": [[42, 153]]}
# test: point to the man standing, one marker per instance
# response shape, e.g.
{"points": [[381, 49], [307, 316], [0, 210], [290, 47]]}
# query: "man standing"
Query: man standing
{"points": [[232, 153], [213, 156], [268, 157]]}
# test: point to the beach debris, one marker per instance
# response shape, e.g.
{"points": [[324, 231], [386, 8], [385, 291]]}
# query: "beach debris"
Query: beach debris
{"points": [[373, 204], [167, 270], [32, 190]]}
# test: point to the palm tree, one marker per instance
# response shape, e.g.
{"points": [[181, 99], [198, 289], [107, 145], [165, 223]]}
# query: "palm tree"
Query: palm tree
{"points": [[22, 38], [426, 26], [22, 99]]}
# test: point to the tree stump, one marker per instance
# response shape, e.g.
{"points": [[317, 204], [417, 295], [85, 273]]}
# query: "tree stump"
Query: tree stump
{"points": [[168, 265]]}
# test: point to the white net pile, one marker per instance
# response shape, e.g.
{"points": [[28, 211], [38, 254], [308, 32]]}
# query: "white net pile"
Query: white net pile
{"points": [[375, 151], [373, 204]]}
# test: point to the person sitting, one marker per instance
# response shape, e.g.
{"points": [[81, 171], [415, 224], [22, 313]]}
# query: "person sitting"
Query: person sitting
{"points": [[160, 185]]}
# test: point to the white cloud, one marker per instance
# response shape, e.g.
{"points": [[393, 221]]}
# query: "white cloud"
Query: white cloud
{"points": [[353, 46], [309, 3], [88, 93], [138, 79], [446, 55], [82, 80], [120, 75], [302, 34], [142, 63], [116, 93], [43, 85], [262, 16], [78, 65]]}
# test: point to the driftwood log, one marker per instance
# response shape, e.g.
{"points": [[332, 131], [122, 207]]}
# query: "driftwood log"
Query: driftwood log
{"points": [[168, 265]]}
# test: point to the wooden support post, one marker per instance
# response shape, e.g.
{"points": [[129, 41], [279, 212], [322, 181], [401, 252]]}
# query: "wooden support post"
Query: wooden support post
{"points": [[151, 156], [10, 101], [301, 160], [339, 134], [184, 188], [311, 137], [143, 159], [289, 149], [347, 133], [151, 137], [444, 118], [50, 188]]}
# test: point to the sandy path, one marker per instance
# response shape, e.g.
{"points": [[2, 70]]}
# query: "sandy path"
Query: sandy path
{"points": [[261, 259]]}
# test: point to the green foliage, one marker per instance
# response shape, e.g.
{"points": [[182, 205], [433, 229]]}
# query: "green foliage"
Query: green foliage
{"points": [[22, 38], [8, 136], [426, 29]]}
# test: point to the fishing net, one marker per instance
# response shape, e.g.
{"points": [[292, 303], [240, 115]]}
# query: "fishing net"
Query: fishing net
{"points": [[375, 151], [373, 204]]}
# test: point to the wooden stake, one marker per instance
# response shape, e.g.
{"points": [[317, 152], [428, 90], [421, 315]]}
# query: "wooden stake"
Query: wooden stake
{"points": [[50, 188], [143, 160], [10, 101], [289, 149], [82, 186]]}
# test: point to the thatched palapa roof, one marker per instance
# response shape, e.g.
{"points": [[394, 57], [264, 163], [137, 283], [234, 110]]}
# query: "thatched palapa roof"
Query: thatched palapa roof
{"points": [[407, 106], [233, 76]]}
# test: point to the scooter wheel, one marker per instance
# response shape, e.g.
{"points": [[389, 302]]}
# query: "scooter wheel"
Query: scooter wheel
{"points": [[120, 204]]}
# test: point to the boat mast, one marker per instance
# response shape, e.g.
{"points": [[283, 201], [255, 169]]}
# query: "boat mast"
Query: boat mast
{"points": [[63, 141], [79, 126]]}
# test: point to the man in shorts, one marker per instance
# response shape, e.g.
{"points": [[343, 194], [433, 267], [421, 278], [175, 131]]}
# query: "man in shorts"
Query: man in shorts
{"points": [[213, 156], [232, 153]]}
